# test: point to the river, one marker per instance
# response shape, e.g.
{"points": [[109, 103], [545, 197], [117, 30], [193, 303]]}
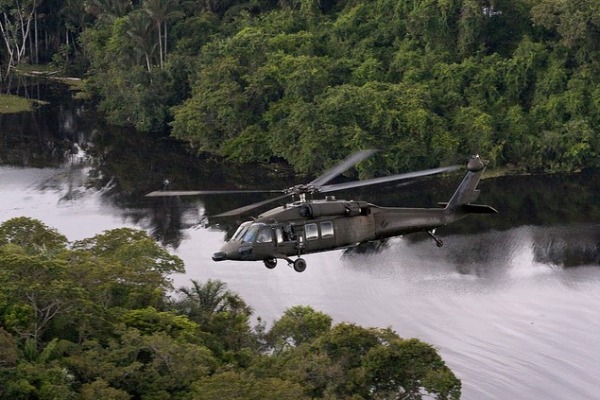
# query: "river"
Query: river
{"points": [[511, 300]]}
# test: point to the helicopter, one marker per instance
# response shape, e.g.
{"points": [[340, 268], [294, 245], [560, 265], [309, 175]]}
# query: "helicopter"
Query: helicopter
{"points": [[308, 225]]}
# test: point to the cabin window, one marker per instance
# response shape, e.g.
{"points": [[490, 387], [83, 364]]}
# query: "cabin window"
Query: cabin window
{"points": [[284, 234], [279, 234], [311, 231], [326, 229], [265, 235]]}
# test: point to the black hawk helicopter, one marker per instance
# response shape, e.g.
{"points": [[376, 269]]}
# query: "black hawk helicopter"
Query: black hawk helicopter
{"points": [[309, 226]]}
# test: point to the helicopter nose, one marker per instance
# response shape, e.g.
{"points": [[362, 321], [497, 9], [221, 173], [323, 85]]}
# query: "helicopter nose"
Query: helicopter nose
{"points": [[219, 256]]}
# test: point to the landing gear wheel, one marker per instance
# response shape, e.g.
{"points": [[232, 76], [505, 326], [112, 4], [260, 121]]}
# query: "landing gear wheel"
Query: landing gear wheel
{"points": [[299, 265], [439, 243], [270, 263]]}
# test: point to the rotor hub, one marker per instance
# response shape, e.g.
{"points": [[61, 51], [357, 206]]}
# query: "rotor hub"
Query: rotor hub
{"points": [[475, 164]]}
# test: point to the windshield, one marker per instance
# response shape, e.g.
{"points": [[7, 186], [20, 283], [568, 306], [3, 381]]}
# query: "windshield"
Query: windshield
{"points": [[241, 231], [250, 234]]}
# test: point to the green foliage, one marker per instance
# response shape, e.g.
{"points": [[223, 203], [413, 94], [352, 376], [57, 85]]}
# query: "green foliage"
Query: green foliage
{"points": [[406, 367], [36, 290], [32, 235], [306, 80], [221, 313], [150, 366], [134, 247], [149, 321], [129, 266], [298, 325], [349, 361], [236, 386], [14, 104], [310, 82], [8, 350], [92, 319], [99, 389]]}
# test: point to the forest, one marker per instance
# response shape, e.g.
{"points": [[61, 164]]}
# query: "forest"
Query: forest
{"points": [[309, 81], [99, 319], [305, 82]]}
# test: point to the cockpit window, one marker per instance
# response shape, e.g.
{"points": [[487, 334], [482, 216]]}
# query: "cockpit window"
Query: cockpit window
{"points": [[241, 231], [250, 235]]}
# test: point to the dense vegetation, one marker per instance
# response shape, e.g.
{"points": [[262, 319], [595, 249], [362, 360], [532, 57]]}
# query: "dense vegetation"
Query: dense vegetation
{"points": [[98, 319], [310, 81]]}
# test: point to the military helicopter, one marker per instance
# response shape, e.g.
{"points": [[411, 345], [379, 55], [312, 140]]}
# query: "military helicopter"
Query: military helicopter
{"points": [[307, 226]]}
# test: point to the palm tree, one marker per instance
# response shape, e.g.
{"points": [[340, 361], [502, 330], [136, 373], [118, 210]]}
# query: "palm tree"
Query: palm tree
{"points": [[138, 29], [203, 300], [162, 11], [108, 10]]}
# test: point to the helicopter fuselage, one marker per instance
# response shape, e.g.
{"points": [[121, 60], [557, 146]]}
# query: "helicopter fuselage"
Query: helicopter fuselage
{"points": [[322, 225]]}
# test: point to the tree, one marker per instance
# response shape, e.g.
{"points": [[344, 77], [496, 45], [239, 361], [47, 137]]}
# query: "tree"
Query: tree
{"points": [[203, 300], [138, 29], [78, 322], [149, 321], [298, 325], [32, 235], [577, 22], [36, 290], [136, 269], [161, 12], [143, 366], [15, 26], [407, 368], [221, 313], [107, 11], [349, 360]]}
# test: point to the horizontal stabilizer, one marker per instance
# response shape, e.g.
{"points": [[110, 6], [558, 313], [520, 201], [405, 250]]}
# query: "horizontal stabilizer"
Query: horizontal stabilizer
{"points": [[479, 209], [474, 208]]}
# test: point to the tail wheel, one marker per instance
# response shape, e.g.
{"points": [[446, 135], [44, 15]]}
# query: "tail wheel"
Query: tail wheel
{"points": [[270, 263], [299, 265]]}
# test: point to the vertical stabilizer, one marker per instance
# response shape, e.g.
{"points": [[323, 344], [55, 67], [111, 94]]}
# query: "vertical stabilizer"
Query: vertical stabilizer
{"points": [[467, 191]]}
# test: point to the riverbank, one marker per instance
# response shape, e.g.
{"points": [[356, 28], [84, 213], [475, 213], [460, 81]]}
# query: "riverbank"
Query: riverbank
{"points": [[11, 103]]}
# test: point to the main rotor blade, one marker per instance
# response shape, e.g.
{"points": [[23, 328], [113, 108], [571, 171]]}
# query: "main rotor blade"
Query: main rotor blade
{"points": [[161, 193], [384, 179], [249, 207], [348, 163]]}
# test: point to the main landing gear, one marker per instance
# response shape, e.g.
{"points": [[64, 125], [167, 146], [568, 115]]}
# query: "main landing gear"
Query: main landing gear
{"points": [[438, 242], [298, 264]]}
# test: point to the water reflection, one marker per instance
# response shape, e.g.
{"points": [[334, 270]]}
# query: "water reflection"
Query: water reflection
{"points": [[51, 133], [489, 253], [568, 246]]}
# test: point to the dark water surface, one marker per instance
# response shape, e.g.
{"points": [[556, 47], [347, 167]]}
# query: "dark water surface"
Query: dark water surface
{"points": [[511, 301]]}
